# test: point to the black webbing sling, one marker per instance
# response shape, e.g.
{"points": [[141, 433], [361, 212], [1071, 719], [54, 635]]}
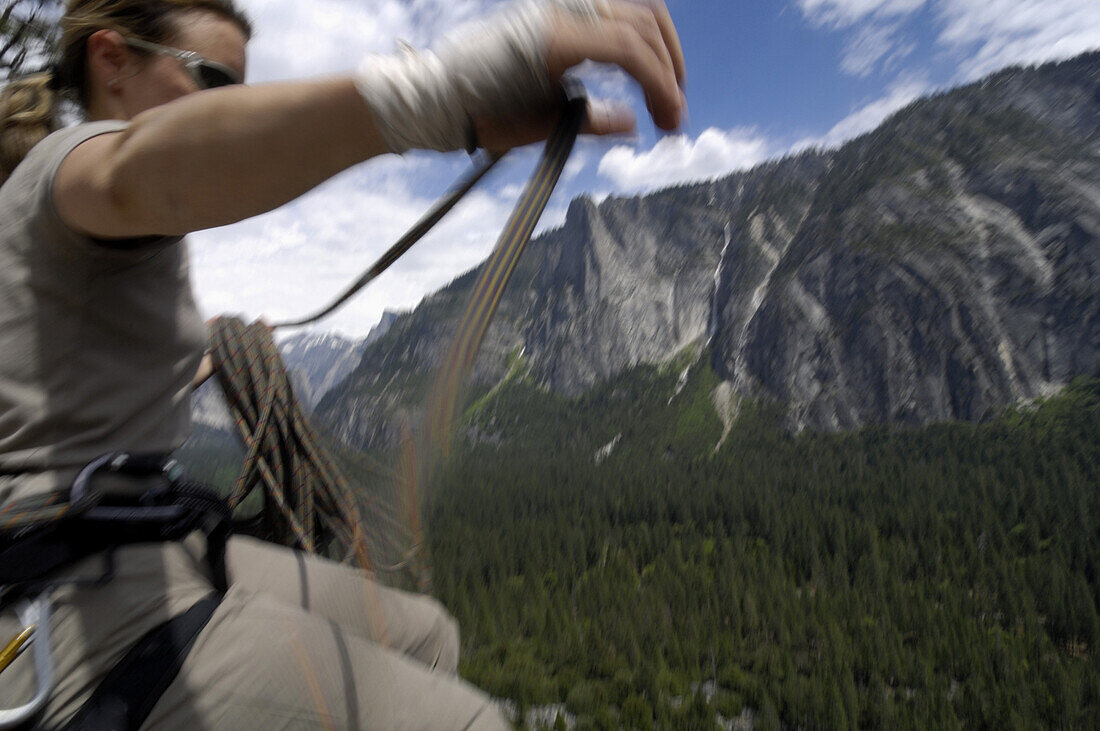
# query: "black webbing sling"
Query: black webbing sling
{"points": [[126, 696]]}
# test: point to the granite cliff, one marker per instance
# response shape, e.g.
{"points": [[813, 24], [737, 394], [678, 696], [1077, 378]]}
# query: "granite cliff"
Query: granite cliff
{"points": [[943, 266]]}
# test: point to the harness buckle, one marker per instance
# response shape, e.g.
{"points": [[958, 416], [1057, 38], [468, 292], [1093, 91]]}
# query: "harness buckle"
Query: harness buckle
{"points": [[34, 615]]}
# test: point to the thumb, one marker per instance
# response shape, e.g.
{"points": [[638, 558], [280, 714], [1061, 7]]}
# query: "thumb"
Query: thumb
{"points": [[608, 118]]}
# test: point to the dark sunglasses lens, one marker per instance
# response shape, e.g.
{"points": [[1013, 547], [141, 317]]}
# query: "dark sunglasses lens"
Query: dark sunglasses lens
{"points": [[213, 77]]}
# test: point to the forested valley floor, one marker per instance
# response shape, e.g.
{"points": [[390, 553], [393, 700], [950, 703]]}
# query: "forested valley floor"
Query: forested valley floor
{"points": [[609, 566], [941, 577]]}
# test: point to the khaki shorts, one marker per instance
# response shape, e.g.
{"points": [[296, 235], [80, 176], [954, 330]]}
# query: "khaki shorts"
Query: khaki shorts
{"points": [[298, 642]]}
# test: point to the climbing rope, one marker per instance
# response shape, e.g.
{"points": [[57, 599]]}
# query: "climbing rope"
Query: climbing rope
{"points": [[308, 501], [495, 275], [414, 234]]}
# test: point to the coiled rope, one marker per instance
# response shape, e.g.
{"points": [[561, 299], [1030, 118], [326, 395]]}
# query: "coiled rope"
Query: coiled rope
{"points": [[308, 504], [309, 500]]}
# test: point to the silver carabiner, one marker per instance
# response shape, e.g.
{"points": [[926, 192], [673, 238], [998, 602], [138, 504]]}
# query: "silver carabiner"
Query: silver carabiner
{"points": [[34, 613]]}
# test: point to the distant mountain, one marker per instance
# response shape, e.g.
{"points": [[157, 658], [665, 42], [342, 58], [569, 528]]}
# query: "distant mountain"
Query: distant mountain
{"points": [[315, 361], [943, 266]]}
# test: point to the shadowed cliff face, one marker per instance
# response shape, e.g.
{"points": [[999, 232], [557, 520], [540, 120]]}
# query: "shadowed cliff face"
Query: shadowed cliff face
{"points": [[629, 281], [941, 267]]}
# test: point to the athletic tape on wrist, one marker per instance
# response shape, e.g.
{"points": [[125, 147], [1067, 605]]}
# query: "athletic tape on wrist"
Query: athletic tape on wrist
{"points": [[428, 100]]}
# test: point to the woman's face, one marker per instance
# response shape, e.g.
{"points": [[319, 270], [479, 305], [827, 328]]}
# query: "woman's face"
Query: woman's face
{"points": [[160, 79]]}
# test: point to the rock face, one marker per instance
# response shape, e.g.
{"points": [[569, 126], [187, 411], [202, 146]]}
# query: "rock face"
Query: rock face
{"points": [[941, 267], [318, 361], [626, 282], [947, 264]]}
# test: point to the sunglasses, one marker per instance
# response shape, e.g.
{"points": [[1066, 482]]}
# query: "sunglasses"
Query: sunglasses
{"points": [[207, 74]]}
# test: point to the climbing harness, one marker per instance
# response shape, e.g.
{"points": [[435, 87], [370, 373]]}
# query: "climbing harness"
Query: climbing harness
{"points": [[126, 695], [117, 499], [316, 509], [147, 502]]}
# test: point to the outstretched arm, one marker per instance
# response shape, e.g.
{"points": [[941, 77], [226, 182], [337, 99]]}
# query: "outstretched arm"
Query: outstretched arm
{"points": [[215, 157], [219, 156]]}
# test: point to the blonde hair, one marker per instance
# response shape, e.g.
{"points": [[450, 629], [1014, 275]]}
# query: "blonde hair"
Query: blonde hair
{"points": [[28, 111], [29, 106]]}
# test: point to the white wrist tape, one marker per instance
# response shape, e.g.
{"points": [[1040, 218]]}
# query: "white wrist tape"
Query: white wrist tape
{"points": [[427, 100]]}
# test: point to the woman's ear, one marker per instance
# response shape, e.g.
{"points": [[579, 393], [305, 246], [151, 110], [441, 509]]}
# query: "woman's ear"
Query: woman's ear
{"points": [[109, 60]]}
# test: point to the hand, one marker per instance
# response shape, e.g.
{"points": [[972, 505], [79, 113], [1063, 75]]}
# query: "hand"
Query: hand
{"points": [[204, 371], [638, 37], [502, 72]]}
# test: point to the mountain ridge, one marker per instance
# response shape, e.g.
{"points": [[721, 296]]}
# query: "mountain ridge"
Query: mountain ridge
{"points": [[939, 267]]}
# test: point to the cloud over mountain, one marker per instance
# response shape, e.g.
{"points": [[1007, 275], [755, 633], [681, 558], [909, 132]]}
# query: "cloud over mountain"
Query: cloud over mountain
{"points": [[677, 158], [984, 35]]}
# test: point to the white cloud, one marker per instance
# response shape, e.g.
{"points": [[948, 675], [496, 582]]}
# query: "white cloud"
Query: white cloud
{"points": [[999, 33], [577, 162], [678, 158], [982, 35], [868, 116], [842, 13], [874, 25], [290, 262], [870, 45], [296, 39]]}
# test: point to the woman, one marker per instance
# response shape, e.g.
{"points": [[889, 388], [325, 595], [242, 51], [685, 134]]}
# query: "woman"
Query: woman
{"points": [[100, 338]]}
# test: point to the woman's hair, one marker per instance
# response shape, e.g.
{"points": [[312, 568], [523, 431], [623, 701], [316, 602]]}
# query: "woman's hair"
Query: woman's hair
{"points": [[29, 106]]}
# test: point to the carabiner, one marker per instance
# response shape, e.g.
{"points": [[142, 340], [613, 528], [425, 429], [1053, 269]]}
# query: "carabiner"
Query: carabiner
{"points": [[15, 648], [34, 615]]}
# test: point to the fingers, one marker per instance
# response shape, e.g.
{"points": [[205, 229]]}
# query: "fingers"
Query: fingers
{"points": [[672, 40], [500, 134], [654, 25], [608, 119], [620, 43], [645, 21], [638, 38]]}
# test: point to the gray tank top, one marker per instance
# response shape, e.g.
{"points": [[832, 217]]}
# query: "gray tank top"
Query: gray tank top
{"points": [[98, 340]]}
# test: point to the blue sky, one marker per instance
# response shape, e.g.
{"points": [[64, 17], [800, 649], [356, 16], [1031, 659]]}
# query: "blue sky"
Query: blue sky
{"points": [[764, 78]]}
